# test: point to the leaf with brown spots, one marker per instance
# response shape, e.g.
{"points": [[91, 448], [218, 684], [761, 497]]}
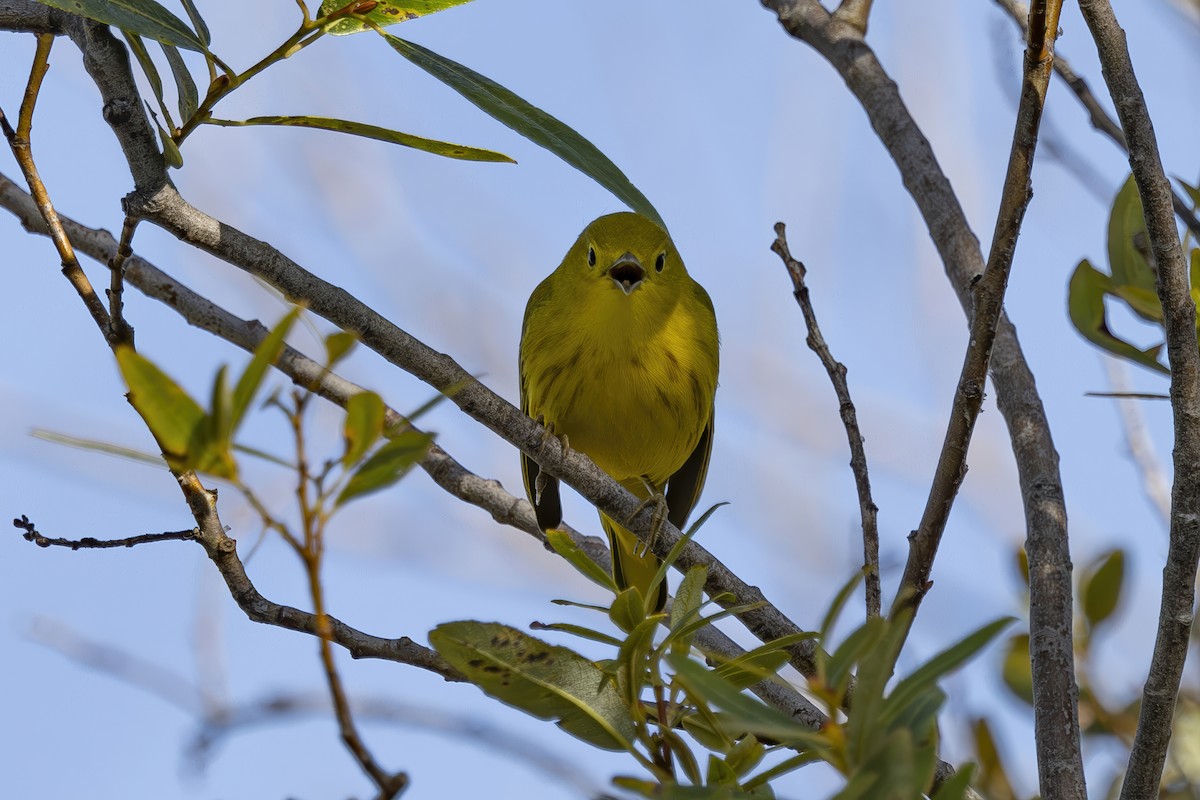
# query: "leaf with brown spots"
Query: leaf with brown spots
{"points": [[545, 680]]}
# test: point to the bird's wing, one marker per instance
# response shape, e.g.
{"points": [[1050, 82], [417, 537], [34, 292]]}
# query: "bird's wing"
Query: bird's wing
{"points": [[548, 507], [683, 488]]}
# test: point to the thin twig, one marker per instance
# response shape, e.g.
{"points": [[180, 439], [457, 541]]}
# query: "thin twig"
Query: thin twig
{"points": [[19, 143], [1101, 120], [858, 456], [1153, 735], [121, 330], [1141, 446], [89, 543]]}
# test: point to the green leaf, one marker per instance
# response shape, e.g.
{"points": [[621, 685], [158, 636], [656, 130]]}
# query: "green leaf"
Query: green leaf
{"points": [[927, 675], [745, 755], [628, 609], [363, 426], [1101, 587], [446, 149], [143, 17], [185, 87], [1018, 676], [387, 465], [171, 155], [265, 354], [565, 546], [1126, 226], [384, 13], [744, 713], [197, 21], [148, 68], [547, 681], [337, 346], [578, 630], [840, 663], [170, 412], [688, 598], [529, 121], [751, 668], [1085, 302], [706, 732]]}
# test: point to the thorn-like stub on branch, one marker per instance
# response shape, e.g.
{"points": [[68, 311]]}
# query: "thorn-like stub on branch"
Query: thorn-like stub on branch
{"points": [[227, 546]]}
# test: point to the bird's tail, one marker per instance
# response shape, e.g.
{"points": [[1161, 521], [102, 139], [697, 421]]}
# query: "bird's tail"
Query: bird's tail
{"points": [[633, 565]]}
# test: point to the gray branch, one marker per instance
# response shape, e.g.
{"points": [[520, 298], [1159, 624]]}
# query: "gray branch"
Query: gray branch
{"points": [[1017, 396], [1153, 735]]}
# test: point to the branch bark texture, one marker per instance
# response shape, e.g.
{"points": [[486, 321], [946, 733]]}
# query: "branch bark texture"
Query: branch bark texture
{"points": [[1179, 312], [1017, 396]]}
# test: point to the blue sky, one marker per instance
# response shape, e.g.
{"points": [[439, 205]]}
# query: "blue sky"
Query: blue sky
{"points": [[727, 125]]}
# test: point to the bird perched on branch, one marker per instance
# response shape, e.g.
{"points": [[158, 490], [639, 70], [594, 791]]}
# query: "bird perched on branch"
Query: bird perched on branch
{"points": [[619, 359]]}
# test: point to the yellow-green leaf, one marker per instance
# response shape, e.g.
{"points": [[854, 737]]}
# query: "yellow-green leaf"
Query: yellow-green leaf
{"points": [[1085, 302], [265, 354], [1101, 587], [338, 345], [387, 12], [363, 426], [565, 546], [447, 149], [545, 680], [1126, 226], [170, 412], [1017, 674], [688, 598], [386, 465], [185, 87], [628, 609], [143, 17]]}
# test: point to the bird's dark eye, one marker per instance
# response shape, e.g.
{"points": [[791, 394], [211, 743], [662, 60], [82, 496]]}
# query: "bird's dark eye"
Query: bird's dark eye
{"points": [[660, 262], [591, 256]]}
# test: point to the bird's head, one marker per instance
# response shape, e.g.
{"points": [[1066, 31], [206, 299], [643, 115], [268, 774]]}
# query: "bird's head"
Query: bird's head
{"points": [[625, 255]]}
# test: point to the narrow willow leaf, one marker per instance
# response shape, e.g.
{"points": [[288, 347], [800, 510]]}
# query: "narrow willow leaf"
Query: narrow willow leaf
{"points": [[387, 465], [197, 21], [170, 412], [1085, 302], [578, 630], [565, 546], [363, 425], [926, 676], [171, 155], [143, 17], [265, 354], [384, 13], [688, 598], [185, 87], [745, 755], [1101, 587], [747, 670], [149, 69], [745, 714], [545, 680], [529, 121], [98, 446], [446, 149]]}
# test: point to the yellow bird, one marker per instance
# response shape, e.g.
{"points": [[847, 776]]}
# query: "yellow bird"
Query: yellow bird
{"points": [[619, 357]]}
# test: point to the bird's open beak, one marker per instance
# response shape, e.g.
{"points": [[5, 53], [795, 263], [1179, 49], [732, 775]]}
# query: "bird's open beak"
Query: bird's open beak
{"points": [[627, 273]]}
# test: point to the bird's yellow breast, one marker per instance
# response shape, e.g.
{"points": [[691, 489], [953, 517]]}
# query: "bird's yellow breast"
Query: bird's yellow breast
{"points": [[631, 386]]}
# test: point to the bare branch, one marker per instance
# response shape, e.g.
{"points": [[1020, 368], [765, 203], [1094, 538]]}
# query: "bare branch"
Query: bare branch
{"points": [[1017, 395], [1101, 120], [1179, 319], [858, 456], [854, 13], [89, 543]]}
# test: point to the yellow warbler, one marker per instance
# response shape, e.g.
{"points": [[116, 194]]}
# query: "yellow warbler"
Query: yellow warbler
{"points": [[619, 357]]}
